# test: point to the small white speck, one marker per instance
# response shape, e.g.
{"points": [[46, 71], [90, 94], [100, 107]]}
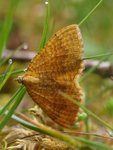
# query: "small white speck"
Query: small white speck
{"points": [[25, 69], [46, 2], [10, 61], [25, 46]]}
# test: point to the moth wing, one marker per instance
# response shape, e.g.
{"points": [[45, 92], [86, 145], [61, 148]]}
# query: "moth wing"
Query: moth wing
{"points": [[62, 54], [58, 108], [57, 68]]}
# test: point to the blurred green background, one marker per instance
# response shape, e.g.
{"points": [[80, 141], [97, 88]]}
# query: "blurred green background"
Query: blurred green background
{"points": [[29, 19]]}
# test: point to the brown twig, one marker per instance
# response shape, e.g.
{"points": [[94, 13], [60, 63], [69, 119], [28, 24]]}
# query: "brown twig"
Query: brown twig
{"points": [[104, 69]]}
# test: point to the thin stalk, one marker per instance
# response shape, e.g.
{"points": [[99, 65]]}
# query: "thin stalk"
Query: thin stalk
{"points": [[94, 68], [85, 18], [15, 72], [46, 25], [7, 25], [71, 140], [12, 109], [6, 76], [10, 102], [98, 56], [11, 55]]}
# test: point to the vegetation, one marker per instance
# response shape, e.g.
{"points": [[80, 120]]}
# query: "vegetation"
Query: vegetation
{"points": [[27, 25]]}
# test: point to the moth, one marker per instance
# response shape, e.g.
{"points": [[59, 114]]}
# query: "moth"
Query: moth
{"points": [[56, 68]]}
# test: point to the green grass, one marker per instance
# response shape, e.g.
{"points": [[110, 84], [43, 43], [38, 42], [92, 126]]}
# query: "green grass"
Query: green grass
{"points": [[17, 98], [7, 112], [71, 140], [7, 74], [89, 14], [7, 25], [46, 26]]}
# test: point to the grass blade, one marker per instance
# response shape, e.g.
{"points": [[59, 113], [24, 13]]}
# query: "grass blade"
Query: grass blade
{"points": [[71, 140], [85, 76], [10, 102], [85, 18], [6, 75], [98, 56], [3, 61], [7, 25], [13, 73], [18, 99], [46, 25]]}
